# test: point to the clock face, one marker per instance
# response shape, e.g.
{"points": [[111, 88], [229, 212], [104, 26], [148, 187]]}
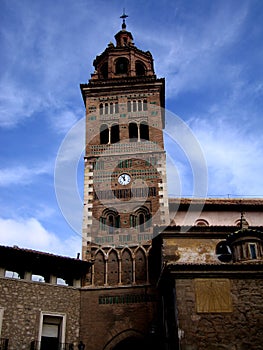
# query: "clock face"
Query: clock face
{"points": [[124, 179]]}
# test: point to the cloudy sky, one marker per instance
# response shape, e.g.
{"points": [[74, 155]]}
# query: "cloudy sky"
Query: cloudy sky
{"points": [[209, 51]]}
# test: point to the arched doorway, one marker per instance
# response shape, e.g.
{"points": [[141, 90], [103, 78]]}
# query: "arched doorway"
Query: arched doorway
{"points": [[130, 343]]}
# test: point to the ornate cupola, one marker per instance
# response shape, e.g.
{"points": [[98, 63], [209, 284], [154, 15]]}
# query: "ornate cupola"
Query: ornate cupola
{"points": [[123, 59], [246, 244]]}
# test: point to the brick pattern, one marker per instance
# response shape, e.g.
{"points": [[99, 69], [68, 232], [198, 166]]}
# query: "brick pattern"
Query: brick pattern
{"points": [[104, 325]]}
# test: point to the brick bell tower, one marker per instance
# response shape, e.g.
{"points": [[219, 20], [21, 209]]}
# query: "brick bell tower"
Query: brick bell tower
{"points": [[125, 164]]}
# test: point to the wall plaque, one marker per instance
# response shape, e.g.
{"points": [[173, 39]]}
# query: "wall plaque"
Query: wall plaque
{"points": [[213, 295]]}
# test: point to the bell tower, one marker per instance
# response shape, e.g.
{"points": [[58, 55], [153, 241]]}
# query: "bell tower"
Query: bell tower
{"points": [[125, 191]]}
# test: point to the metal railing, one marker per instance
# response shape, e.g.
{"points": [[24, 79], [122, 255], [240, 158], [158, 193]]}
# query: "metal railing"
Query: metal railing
{"points": [[36, 345], [4, 344]]}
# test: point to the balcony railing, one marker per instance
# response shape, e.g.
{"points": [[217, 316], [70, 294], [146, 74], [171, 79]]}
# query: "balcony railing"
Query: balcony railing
{"points": [[37, 345], [3, 344]]}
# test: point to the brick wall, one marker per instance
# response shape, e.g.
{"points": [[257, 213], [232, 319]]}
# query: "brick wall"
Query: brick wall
{"points": [[108, 315]]}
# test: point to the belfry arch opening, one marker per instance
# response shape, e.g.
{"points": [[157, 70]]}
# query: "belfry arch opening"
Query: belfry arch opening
{"points": [[104, 134], [133, 132], [122, 65], [140, 68], [144, 132]]}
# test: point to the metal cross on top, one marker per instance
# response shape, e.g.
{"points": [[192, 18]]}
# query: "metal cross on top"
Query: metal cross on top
{"points": [[123, 16]]}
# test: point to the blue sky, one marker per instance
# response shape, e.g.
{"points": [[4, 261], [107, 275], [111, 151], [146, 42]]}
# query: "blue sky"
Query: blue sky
{"points": [[209, 51]]}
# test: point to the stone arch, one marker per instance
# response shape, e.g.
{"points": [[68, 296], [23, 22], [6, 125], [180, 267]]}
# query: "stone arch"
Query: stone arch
{"points": [[201, 222], [121, 336]]}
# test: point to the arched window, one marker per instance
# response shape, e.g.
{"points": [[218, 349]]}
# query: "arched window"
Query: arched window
{"points": [[142, 222], [106, 108], [145, 105], [101, 108], [122, 65], [104, 134], [129, 106], [116, 107], [115, 133], [143, 219], [201, 222], [111, 108], [144, 132], [140, 68], [110, 220], [134, 106], [104, 71], [133, 132], [139, 105]]}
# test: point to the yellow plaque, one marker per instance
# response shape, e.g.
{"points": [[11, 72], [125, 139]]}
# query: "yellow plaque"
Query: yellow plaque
{"points": [[213, 295]]}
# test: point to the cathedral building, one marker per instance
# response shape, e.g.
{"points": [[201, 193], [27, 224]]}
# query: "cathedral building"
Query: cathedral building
{"points": [[149, 277]]}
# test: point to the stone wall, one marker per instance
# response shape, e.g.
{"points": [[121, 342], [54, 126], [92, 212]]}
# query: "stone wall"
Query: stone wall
{"points": [[238, 329], [110, 315], [23, 302]]}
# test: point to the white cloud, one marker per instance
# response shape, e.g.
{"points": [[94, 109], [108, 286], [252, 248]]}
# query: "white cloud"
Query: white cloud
{"points": [[191, 61], [22, 174], [16, 103], [233, 157], [29, 233]]}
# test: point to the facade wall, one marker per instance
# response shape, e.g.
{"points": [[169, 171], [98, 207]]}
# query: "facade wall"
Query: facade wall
{"points": [[22, 303], [215, 217], [110, 315], [239, 329]]}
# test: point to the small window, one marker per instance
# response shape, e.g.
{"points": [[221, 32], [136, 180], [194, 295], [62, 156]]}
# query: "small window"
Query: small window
{"points": [[253, 251]]}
